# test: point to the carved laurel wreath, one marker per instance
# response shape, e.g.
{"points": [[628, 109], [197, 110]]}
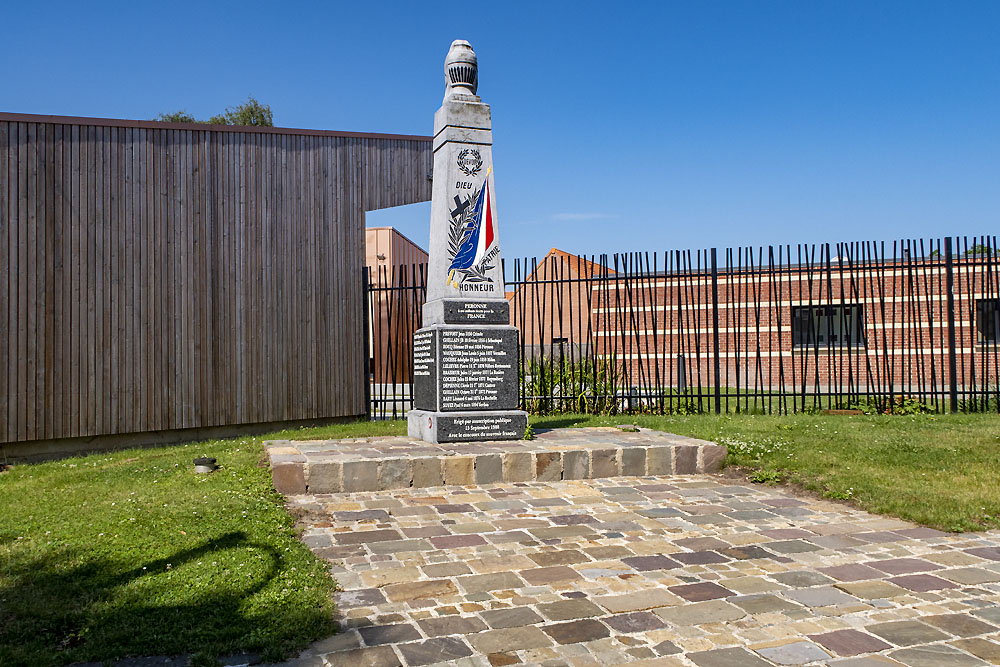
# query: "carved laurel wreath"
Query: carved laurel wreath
{"points": [[476, 159], [461, 229]]}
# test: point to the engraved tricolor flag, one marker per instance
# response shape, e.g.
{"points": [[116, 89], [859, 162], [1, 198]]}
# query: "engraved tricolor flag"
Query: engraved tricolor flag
{"points": [[481, 233]]}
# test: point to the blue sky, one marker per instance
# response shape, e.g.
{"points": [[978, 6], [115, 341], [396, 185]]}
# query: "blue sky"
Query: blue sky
{"points": [[617, 126]]}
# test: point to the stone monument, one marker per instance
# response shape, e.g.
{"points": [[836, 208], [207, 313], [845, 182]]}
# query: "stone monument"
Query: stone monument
{"points": [[465, 358]]}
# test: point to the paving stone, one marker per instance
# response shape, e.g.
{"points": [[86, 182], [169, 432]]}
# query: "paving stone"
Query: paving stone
{"points": [[989, 553], [867, 661], [981, 648], [325, 477], [434, 651], [638, 621], [935, 656], [459, 470], [427, 472], [849, 642], [633, 461], [746, 552], [685, 460], [420, 590], [763, 604], [558, 557], [871, 590], [489, 469], [367, 536], [451, 625], [795, 653], [702, 544], [548, 466], [851, 572], [288, 478], [509, 639], [479, 583], [360, 597], [360, 475], [922, 583], [819, 597], [454, 508], [457, 541], [699, 557], [726, 657], [752, 585], [791, 547], [518, 467], [605, 463], [388, 634], [574, 632], [660, 461], [498, 659], [510, 618], [700, 592], [395, 474], [452, 569], [991, 614], [906, 633], [548, 575], [380, 656], [713, 457], [650, 598], [565, 610], [960, 625], [903, 565], [667, 647], [576, 464], [647, 563], [713, 611], [802, 579], [362, 515], [970, 576]]}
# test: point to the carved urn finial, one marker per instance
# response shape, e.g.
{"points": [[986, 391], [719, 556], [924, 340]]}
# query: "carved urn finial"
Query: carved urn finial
{"points": [[461, 74]]}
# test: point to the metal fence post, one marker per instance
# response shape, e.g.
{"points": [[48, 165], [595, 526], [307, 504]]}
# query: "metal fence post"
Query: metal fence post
{"points": [[715, 333], [949, 264], [366, 306]]}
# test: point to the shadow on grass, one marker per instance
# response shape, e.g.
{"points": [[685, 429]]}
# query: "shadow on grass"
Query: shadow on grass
{"points": [[74, 605]]}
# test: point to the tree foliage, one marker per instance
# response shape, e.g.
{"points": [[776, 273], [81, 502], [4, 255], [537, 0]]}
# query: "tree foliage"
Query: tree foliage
{"points": [[176, 117], [251, 112]]}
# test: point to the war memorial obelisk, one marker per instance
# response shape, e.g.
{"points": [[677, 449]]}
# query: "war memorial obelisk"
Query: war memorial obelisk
{"points": [[465, 360]]}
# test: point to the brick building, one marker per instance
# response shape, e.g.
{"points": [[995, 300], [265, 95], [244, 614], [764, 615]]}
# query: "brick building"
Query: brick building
{"points": [[397, 263]]}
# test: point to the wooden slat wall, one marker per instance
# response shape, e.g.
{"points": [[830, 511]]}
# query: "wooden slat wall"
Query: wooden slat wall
{"points": [[161, 277]]}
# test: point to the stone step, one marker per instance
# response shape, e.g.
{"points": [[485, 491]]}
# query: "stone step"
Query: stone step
{"points": [[386, 463]]}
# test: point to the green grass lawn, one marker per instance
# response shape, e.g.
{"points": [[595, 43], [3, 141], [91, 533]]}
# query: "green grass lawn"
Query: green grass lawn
{"points": [[941, 471], [131, 553]]}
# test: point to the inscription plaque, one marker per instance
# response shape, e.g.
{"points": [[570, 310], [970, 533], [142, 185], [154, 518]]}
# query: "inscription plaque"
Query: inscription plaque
{"points": [[460, 369], [477, 365], [476, 312]]}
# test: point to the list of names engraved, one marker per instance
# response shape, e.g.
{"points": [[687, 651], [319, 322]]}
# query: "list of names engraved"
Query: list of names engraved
{"points": [[476, 364]]}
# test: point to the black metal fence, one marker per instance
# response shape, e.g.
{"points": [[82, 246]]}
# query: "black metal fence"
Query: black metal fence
{"points": [[908, 326]]}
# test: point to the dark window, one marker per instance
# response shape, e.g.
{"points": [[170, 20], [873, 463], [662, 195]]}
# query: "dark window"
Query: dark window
{"points": [[988, 320], [828, 326]]}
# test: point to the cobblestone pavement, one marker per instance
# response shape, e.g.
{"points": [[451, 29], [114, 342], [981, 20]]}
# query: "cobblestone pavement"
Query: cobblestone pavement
{"points": [[662, 570]]}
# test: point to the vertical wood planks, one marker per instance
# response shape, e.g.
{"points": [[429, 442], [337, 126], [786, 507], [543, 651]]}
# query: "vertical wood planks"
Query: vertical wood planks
{"points": [[159, 278]]}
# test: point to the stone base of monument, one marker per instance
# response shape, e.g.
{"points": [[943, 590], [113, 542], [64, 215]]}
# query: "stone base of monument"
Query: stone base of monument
{"points": [[466, 426], [402, 462]]}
